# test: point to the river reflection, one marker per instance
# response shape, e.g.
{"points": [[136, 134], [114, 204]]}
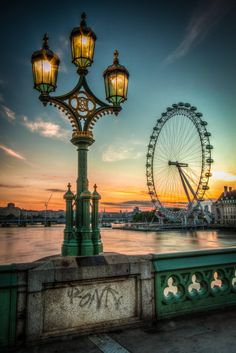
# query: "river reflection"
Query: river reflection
{"points": [[32, 243]]}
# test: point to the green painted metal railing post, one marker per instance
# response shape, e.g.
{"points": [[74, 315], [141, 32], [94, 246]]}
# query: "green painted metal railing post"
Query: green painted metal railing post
{"points": [[70, 245], [96, 235]]}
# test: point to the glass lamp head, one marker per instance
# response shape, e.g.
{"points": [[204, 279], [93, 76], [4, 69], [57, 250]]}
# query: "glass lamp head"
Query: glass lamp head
{"points": [[45, 65], [82, 41], [116, 79]]}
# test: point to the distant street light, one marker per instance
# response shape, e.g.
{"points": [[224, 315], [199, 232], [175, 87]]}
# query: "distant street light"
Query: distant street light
{"points": [[83, 109]]}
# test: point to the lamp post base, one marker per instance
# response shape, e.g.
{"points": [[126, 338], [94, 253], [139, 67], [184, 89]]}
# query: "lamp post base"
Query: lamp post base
{"points": [[70, 248], [86, 245], [86, 248]]}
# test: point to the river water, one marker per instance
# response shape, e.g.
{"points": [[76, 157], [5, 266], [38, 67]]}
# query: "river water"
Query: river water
{"points": [[19, 245]]}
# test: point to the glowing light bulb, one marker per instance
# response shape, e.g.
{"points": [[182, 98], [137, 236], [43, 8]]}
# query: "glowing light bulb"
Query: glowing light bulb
{"points": [[84, 40], [120, 83], [46, 66]]}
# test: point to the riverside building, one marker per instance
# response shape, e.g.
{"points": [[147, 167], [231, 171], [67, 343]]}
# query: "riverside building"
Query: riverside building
{"points": [[224, 209]]}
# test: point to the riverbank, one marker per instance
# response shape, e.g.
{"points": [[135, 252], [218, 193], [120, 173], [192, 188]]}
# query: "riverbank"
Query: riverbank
{"points": [[156, 227]]}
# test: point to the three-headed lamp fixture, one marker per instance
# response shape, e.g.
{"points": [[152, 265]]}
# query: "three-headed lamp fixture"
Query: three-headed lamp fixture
{"points": [[45, 65]]}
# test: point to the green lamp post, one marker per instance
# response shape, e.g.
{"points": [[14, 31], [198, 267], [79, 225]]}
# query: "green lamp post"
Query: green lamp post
{"points": [[83, 109]]}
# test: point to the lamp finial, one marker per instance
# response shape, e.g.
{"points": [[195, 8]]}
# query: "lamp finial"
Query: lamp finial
{"points": [[116, 60], [45, 41], [83, 20]]}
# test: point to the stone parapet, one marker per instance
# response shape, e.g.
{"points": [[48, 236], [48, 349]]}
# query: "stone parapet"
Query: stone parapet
{"points": [[59, 296]]}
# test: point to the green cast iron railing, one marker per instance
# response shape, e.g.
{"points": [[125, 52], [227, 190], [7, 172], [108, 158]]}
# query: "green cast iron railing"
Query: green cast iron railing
{"points": [[194, 281]]}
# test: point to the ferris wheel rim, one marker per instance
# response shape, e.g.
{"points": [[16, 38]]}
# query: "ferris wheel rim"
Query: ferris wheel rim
{"points": [[190, 112]]}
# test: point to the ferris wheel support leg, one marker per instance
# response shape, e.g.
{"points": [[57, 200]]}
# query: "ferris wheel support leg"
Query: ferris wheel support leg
{"points": [[189, 185], [183, 183]]}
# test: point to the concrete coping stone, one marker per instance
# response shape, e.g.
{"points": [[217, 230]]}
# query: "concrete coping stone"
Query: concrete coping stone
{"points": [[106, 259]]}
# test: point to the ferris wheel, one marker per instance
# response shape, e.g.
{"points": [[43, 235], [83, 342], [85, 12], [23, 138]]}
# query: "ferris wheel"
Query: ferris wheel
{"points": [[178, 165]]}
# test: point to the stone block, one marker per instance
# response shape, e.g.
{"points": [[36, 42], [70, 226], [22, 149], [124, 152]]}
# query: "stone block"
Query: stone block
{"points": [[37, 277], [86, 304], [148, 300], [34, 316]]}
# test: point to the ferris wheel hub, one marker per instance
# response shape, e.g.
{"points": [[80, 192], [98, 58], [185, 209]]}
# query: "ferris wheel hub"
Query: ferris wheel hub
{"points": [[178, 164]]}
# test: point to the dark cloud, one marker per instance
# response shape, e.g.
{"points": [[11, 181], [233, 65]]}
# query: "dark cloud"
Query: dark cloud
{"points": [[141, 204], [56, 190], [8, 186], [128, 204]]}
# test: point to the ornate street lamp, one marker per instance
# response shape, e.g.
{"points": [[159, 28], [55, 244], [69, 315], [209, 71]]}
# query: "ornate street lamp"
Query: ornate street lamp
{"points": [[83, 109]]}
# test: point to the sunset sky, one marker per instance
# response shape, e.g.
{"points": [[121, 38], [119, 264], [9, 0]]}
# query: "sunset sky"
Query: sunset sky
{"points": [[175, 51]]}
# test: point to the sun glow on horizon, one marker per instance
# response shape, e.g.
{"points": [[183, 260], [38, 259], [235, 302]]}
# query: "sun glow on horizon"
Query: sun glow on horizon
{"points": [[31, 197], [222, 175]]}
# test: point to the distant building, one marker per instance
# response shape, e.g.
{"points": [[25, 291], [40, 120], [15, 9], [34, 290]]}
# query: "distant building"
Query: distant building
{"points": [[111, 216], [136, 210], [11, 209], [41, 213], [121, 216], [224, 209]]}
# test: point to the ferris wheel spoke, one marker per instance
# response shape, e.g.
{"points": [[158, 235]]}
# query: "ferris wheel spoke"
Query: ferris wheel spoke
{"points": [[188, 146], [191, 155], [189, 143], [190, 149], [180, 134], [187, 140]]}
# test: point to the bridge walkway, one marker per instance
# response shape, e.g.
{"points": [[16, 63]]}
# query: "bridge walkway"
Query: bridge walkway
{"points": [[211, 333]]}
